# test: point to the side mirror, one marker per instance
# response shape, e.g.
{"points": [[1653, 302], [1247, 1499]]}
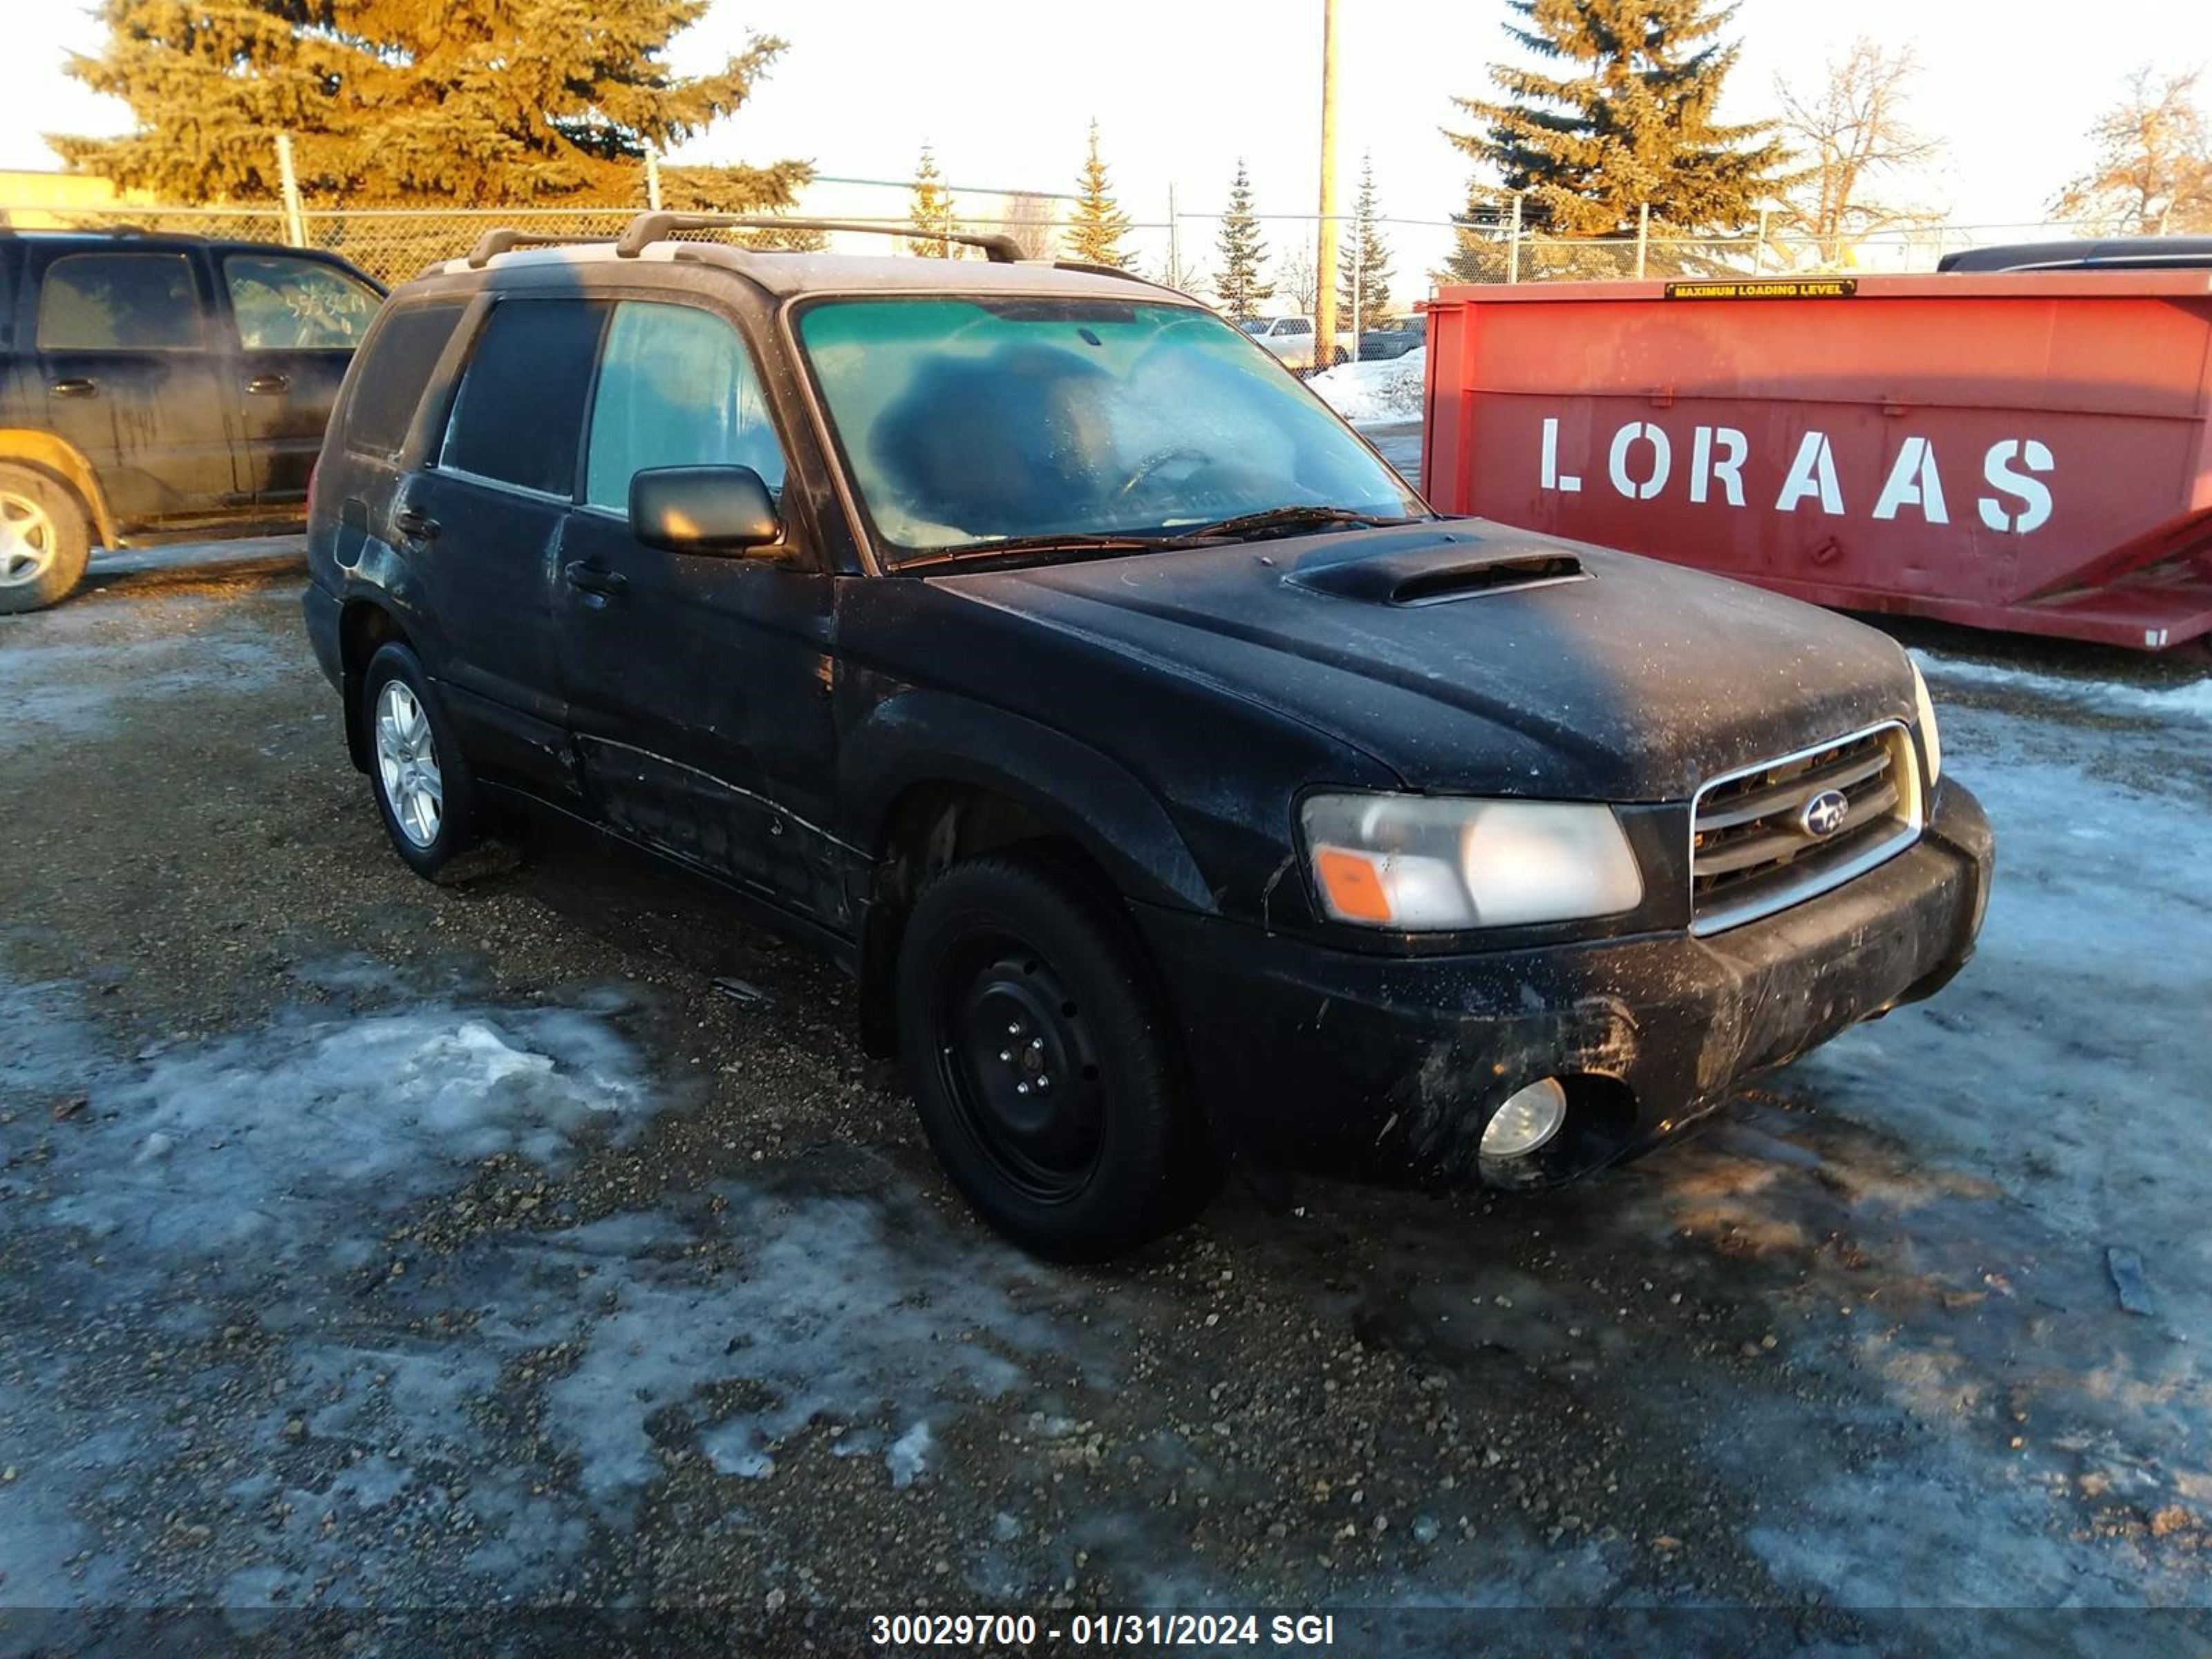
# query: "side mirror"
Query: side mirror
{"points": [[703, 509]]}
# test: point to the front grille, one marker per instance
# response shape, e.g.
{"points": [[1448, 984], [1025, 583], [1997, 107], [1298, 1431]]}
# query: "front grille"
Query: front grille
{"points": [[1751, 853]]}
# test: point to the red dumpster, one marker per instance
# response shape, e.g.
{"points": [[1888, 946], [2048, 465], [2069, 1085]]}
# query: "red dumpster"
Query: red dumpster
{"points": [[2021, 452]]}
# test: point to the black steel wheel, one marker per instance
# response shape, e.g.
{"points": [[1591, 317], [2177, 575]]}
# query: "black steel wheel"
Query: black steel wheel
{"points": [[1042, 1062]]}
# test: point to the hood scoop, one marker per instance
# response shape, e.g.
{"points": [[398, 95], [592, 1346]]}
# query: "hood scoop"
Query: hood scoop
{"points": [[1443, 570]]}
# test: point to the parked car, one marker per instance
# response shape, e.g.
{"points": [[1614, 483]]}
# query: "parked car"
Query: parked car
{"points": [[1181, 790], [157, 388], [1394, 337], [1291, 340]]}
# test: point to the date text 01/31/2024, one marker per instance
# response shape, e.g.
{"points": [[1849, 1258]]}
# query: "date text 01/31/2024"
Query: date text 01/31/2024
{"points": [[1104, 1630]]}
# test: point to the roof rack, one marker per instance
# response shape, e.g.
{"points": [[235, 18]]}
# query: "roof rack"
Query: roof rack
{"points": [[647, 228], [1128, 275], [493, 243]]}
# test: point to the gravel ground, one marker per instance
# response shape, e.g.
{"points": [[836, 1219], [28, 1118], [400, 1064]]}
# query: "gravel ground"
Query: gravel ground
{"points": [[375, 1244]]}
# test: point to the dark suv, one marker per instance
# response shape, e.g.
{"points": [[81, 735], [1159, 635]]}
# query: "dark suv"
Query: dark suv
{"points": [[153, 388], [1180, 789]]}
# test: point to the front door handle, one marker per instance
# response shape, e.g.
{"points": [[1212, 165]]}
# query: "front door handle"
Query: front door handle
{"points": [[268, 386], [590, 579], [413, 526], [75, 388]]}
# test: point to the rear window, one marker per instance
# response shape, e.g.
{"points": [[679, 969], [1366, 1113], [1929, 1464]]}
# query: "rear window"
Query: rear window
{"points": [[519, 414], [119, 302], [389, 385]]}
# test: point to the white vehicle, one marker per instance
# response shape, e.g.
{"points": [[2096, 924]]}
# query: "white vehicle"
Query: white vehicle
{"points": [[1292, 338]]}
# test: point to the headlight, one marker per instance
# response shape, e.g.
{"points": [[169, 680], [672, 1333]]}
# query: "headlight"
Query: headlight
{"points": [[1930, 744], [1422, 864]]}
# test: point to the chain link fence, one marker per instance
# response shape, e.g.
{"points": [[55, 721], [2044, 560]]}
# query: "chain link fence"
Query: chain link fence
{"points": [[1180, 247]]}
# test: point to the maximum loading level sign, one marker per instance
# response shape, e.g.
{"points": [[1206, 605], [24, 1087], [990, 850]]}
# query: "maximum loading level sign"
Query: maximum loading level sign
{"points": [[1791, 287]]}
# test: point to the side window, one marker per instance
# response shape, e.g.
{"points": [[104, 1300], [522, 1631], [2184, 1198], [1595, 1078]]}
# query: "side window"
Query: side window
{"points": [[520, 413], [296, 305], [1296, 325], [389, 383], [119, 302], [677, 389]]}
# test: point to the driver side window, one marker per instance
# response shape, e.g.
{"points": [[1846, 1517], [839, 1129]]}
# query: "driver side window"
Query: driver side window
{"points": [[676, 388]]}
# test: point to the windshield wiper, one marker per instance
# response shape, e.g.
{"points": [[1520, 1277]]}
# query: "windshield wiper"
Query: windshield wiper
{"points": [[1283, 517], [1073, 541]]}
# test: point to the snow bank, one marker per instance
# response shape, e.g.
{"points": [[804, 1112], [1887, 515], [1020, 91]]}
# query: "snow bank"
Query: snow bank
{"points": [[1376, 392]]}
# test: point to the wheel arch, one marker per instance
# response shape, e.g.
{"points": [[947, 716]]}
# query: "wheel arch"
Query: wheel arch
{"points": [[66, 465], [364, 626], [943, 780]]}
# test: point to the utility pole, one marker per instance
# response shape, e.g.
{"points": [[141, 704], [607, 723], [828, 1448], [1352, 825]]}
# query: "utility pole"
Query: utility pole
{"points": [[1324, 351]]}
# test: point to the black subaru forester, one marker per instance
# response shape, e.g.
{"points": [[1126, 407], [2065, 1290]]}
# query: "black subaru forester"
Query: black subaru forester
{"points": [[1181, 790]]}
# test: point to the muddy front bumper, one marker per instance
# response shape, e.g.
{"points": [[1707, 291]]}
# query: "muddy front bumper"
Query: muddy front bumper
{"points": [[1388, 1067]]}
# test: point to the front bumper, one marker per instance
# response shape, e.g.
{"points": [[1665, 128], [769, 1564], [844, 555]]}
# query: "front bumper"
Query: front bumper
{"points": [[1388, 1067]]}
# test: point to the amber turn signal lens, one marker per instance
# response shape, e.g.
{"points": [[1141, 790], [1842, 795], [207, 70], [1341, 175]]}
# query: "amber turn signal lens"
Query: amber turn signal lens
{"points": [[1354, 887]]}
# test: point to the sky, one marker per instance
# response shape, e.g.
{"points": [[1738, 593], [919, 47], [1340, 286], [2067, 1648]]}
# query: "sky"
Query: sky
{"points": [[1004, 90]]}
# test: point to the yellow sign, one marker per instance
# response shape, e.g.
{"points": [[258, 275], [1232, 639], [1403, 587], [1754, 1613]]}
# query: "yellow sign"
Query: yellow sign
{"points": [[1794, 288]]}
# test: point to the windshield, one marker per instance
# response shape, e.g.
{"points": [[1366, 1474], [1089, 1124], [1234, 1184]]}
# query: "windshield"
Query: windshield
{"points": [[1257, 324], [968, 421]]}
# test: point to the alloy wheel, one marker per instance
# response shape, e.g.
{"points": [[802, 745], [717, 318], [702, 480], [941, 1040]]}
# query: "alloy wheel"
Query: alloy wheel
{"points": [[407, 764], [27, 540]]}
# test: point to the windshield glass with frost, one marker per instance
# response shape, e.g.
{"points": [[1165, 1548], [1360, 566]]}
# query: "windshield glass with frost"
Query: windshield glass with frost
{"points": [[965, 422]]}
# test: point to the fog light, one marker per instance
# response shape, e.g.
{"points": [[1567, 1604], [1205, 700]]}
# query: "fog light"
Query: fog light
{"points": [[1526, 1121]]}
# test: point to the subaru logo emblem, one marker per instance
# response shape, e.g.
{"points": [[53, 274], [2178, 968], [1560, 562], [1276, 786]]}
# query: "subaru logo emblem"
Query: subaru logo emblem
{"points": [[1825, 813]]}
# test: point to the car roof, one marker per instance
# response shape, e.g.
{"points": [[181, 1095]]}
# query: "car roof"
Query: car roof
{"points": [[650, 240], [783, 274], [119, 238], [2127, 252]]}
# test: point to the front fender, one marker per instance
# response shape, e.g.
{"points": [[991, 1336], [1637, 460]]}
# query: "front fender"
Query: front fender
{"points": [[925, 736]]}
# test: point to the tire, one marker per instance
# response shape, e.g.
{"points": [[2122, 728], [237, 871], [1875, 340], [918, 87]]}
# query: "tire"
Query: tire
{"points": [[45, 540], [424, 788], [1011, 979]]}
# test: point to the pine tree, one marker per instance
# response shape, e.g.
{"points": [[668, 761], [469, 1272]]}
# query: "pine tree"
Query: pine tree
{"points": [[1478, 241], [1363, 282], [402, 100], [1242, 254], [1627, 123], [1094, 234], [930, 213]]}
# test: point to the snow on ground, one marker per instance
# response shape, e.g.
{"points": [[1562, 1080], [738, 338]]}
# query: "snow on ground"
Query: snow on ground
{"points": [[266, 1173], [1374, 392], [53, 697]]}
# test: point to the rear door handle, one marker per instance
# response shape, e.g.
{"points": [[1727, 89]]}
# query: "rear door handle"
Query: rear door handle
{"points": [[590, 579], [76, 388], [413, 526], [268, 386]]}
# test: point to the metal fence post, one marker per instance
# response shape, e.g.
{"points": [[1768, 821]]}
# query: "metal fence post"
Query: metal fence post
{"points": [[1758, 252], [288, 180], [653, 179], [1643, 236], [1513, 247]]}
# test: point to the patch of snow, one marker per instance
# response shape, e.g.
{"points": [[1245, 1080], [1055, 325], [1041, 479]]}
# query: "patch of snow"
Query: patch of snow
{"points": [[2189, 702], [840, 1312], [290, 1137], [1375, 392], [908, 1455]]}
